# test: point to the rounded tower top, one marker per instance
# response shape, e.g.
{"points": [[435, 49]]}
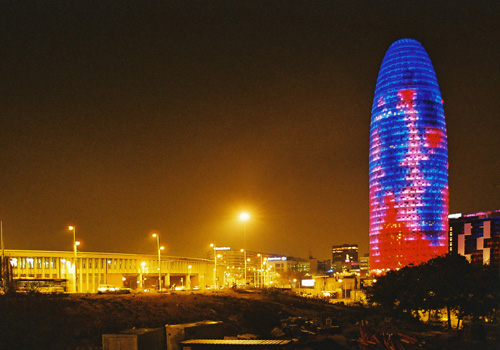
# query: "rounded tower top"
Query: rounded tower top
{"points": [[407, 65]]}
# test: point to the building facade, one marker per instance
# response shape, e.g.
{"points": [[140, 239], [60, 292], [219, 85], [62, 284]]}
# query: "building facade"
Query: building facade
{"points": [[408, 161], [476, 236], [344, 257], [232, 264], [135, 271], [286, 271], [282, 264], [364, 265], [319, 267]]}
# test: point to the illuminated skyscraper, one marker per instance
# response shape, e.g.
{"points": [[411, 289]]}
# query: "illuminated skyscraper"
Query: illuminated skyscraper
{"points": [[408, 165]]}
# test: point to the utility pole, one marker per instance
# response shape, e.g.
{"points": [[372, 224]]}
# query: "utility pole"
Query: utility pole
{"points": [[3, 269], [1, 238]]}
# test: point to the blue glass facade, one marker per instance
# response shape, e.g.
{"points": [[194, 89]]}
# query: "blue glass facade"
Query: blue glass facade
{"points": [[408, 164]]}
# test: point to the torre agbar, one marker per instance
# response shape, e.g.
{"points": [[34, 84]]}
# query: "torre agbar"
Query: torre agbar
{"points": [[408, 164]]}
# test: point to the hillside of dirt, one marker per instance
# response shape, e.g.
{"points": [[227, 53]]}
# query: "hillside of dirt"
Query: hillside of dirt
{"points": [[78, 321]]}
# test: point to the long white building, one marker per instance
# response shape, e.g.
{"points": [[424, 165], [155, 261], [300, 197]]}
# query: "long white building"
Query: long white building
{"points": [[93, 269]]}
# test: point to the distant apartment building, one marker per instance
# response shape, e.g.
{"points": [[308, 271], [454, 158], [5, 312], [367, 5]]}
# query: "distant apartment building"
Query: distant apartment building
{"points": [[288, 264], [319, 267], [232, 263], [345, 257], [476, 236], [287, 271], [364, 265]]}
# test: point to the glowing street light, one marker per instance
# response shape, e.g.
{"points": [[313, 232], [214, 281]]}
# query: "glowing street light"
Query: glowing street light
{"points": [[244, 217], [141, 283], [264, 270], [215, 265], [75, 244], [160, 248]]}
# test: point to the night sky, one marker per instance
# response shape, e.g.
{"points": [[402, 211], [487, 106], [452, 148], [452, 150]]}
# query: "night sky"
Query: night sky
{"points": [[125, 118]]}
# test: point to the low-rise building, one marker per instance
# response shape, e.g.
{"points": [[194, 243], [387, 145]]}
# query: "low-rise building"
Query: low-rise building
{"points": [[134, 271], [476, 236]]}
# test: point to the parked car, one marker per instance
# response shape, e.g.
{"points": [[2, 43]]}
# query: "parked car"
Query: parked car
{"points": [[108, 288]]}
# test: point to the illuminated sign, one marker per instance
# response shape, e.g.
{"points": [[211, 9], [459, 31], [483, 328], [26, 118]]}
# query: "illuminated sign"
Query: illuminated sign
{"points": [[455, 216], [277, 258], [308, 283], [476, 214], [222, 248]]}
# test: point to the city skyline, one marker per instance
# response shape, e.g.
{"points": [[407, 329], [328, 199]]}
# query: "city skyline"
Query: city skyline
{"points": [[128, 119]]}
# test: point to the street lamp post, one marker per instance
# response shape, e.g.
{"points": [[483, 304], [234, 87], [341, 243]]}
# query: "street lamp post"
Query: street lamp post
{"points": [[215, 265], [259, 272], [3, 254], [1, 241], [108, 262], [342, 287], [244, 251], [244, 216], [264, 270], [157, 236], [143, 264], [75, 243]]}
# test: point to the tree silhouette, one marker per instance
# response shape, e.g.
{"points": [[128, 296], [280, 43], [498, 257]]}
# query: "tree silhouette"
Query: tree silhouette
{"points": [[447, 282]]}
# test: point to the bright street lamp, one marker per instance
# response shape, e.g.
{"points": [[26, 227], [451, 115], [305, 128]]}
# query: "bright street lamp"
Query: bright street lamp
{"points": [[264, 270], [260, 271], [160, 248], [75, 243], [244, 217], [215, 265], [141, 283]]}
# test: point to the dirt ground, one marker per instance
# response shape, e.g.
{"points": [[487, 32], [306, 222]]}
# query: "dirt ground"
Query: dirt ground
{"points": [[78, 321]]}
